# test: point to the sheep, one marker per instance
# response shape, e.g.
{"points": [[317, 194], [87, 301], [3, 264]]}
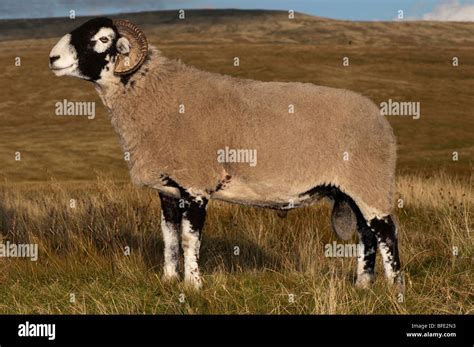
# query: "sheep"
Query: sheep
{"points": [[175, 121]]}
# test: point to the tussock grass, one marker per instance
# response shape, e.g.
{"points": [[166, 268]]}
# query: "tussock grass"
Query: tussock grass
{"points": [[281, 267]]}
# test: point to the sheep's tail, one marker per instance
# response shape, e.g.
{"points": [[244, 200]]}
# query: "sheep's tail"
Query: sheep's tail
{"points": [[343, 217]]}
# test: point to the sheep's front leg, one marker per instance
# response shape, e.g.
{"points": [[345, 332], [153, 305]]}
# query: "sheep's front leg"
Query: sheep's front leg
{"points": [[170, 225], [194, 215]]}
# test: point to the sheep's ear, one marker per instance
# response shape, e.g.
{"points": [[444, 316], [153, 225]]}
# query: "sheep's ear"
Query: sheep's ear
{"points": [[123, 45], [132, 47]]}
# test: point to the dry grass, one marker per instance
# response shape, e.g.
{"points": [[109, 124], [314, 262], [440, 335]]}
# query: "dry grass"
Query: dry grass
{"points": [[81, 252]]}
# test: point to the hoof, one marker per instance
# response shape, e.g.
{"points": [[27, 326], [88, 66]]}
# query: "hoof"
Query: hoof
{"points": [[399, 283], [193, 282], [364, 280], [170, 276]]}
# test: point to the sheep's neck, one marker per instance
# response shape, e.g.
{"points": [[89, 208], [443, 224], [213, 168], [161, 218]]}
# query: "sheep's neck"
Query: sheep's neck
{"points": [[124, 127], [121, 104], [108, 92]]}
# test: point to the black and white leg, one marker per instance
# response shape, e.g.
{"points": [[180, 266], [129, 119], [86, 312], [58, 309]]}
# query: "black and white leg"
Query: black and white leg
{"points": [[367, 254], [171, 216], [382, 233], [192, 223], [385, 231]]}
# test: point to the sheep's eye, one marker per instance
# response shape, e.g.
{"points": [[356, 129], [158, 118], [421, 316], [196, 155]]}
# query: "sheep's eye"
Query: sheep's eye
{"points": [[104, 39]]}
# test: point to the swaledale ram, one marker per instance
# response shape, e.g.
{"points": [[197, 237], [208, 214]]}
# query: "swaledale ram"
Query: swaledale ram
{"points": [[187, 131]]}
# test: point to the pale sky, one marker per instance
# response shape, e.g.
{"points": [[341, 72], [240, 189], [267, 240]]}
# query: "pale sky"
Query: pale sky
{"points": [[461, 10]]}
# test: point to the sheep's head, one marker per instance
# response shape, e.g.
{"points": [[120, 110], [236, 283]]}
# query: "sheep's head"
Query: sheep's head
{"points": [[99, 49]]}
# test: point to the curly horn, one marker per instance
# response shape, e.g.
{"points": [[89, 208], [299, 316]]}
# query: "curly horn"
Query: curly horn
{"points": [[126, 64]]}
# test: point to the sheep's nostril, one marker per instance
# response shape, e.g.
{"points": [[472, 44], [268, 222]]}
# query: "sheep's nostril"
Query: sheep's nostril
{"points": [[53, 59]]}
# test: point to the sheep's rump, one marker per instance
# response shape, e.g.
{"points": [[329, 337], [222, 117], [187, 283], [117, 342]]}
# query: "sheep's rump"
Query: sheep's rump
{"points": [[334, 137]]}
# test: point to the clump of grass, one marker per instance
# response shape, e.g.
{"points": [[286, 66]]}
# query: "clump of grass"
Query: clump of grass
{"points": [[252, 261]]}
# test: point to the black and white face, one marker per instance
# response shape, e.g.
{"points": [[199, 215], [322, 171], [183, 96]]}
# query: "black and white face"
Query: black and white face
{"points": [[89, 52]]}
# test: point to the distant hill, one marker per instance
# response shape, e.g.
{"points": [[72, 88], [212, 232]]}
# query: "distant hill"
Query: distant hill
{"points": [[258, 26]]}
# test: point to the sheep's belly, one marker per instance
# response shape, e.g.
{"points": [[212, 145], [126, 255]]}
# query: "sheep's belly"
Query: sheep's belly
{"points": [[280, 198]]}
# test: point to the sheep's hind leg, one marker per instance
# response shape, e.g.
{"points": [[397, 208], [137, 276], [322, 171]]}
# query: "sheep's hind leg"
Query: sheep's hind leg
{"points": [[367, 240], [192, 223], [170, 226], [386, 232], [367, 253]]}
